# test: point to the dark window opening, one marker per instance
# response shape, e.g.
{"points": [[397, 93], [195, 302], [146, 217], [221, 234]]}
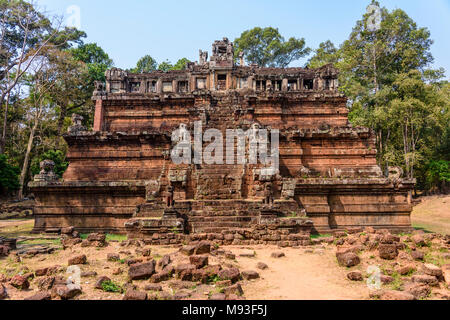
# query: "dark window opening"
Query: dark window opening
{"points": [[260, 85], [327, 84], [183, 86], [222, 81], [308, 84], [152, 86], [278, 85], [222, 49], [135, 86], [292, 85]]}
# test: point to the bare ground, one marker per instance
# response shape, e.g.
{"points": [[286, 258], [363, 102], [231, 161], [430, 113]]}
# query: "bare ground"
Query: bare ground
{"points": [[303, 274], [432, 214]]}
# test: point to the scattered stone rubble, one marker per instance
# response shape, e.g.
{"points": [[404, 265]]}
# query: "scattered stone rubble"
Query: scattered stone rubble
{"points": [[191, 266], [401, 261]]}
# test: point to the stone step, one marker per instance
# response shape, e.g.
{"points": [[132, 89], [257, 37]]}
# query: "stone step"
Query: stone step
{"points": [[210, 230], [219, 228], [204, 219], [219, 215]]}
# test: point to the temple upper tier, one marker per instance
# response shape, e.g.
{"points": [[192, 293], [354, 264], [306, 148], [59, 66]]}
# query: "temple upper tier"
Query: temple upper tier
{"points": [[220, 73]]}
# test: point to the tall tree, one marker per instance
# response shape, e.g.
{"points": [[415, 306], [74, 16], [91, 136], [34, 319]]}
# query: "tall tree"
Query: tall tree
{"points": [[40, 80], [145, 64], [373, 59], [267, 48], [412, 111], [24, 34], [96, 59], [326, 53], [165, 66], [69, 91], [371, 56], [181, 64]]}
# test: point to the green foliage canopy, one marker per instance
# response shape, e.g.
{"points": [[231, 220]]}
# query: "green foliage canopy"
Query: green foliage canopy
{"points": [[57, 156], [145, 64], [9, 176], [267, 48]]}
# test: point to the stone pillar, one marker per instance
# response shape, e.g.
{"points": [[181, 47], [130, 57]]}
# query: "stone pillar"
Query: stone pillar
{"points": [[99, 114], [193, 84], [143, 86], [284, 85], [250, 83], [174, 86], [212, 81], [159, 88]]}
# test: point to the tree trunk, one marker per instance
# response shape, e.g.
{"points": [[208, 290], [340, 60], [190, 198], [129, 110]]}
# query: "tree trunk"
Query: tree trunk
{"points": [[5, 123], [24, 172], [375, 68], [62, 116]]}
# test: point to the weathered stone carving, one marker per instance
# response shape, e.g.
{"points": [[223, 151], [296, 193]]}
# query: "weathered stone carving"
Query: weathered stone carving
{"points": [[169, 196], [288, 191], [46, 174], [99, 88], [152, 190], [395, 173], [77, 124], [241, 59], [203, 57], [268, 194]]}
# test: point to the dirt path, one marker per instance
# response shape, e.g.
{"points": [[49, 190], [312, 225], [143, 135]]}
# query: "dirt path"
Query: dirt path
{"points": [[16, 228], [300, 276], [432, 214]]}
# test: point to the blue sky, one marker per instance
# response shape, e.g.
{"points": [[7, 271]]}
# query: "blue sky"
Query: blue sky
{"points": [[172, 29]]}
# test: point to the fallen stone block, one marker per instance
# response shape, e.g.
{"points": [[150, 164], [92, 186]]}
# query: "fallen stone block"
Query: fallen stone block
{"points": [[355, 276], [199, 261], [142, 271], [250, 275], [135, 295], [40, 296], [77, 260], [277, 254], [100, 281], [348, 259], [19, 282]]}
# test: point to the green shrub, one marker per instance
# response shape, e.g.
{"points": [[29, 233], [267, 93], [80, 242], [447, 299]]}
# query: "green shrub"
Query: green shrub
{"points": [[57, 156], [438, 174], [9, 176], [109, 286]]}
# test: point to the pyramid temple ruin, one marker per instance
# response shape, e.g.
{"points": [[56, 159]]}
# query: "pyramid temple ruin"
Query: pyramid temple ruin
{"points": [[121, 176]]}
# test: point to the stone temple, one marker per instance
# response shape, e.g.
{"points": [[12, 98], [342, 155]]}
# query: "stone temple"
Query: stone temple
{"points": [[122, 179]]}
